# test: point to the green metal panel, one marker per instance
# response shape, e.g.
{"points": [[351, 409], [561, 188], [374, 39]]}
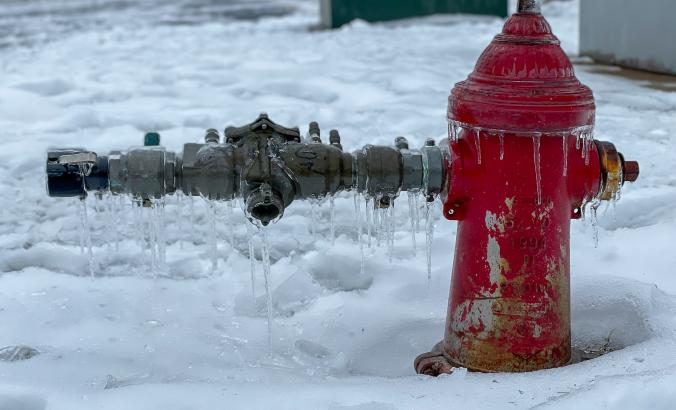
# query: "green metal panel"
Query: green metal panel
{"points": [[335, 13]]}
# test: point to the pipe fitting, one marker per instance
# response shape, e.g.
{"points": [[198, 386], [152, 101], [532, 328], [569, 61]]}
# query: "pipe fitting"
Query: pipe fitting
{"points": [[264, 204], [615, 171]]}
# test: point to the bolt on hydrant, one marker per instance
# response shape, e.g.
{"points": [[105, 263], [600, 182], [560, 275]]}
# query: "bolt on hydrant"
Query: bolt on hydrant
{"points": [[519, 163]]}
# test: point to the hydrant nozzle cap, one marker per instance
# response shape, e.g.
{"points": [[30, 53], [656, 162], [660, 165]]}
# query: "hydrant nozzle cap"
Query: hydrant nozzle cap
{"points": [[631, 171]]}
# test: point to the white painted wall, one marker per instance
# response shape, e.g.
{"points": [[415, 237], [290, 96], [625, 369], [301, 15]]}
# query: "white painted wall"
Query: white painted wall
{"points": [[633, 33]]}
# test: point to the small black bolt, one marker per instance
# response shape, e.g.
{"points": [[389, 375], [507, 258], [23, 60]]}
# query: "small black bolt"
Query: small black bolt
{"points": [[334, 137], [401, 143], [212, 136], [314, 129]]}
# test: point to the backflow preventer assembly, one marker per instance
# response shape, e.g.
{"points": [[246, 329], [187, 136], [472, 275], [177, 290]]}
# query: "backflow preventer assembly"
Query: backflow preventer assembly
{"points": [[519, 163]]}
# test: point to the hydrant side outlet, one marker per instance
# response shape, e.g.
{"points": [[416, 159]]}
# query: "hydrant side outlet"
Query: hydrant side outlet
{"points": [[522, 162]]}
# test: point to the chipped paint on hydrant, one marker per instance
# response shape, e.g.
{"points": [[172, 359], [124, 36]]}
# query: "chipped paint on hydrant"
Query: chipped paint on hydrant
{"points": [[521, 162]]}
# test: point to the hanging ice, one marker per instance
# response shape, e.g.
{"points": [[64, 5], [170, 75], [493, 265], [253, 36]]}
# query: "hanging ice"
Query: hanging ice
{"points": [[87, 235], [369, 219], [213, 240], [412, 217], [477, 141], [161, 234], [502, 145], [538, 171], [314, 221], [181, 218], [332, 227], [252, 259], [265, 251], [594, 220], [390, 228], [429, 233], [564, 149], [357, 210]]}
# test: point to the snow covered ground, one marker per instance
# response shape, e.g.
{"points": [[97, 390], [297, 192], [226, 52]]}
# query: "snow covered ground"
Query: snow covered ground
{"points": [[99, 74]]}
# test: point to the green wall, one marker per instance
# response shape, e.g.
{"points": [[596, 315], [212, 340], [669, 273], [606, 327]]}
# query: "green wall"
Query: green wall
{"points": [[335, 13]]}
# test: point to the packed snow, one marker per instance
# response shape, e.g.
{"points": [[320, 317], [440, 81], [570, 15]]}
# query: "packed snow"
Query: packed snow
{"points": [[186, 332]]}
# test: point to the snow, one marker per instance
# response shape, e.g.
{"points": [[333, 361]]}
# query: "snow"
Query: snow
{"points": [[99, 74]]}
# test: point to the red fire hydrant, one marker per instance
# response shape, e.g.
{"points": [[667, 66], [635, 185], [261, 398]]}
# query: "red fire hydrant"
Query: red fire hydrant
{"points": [[521, 163]]}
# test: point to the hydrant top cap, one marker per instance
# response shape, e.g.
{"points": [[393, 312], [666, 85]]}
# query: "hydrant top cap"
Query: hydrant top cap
{"points": [[525, 75]]}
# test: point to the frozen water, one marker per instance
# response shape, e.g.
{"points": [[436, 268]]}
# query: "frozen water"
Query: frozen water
{"points": [[429, 237], [213, 235], [538, 168], [412, 216], [265, 252], [86, 235], [564, 152], [252, 258], [332, 222], [502, 145], [360, 229], [477, 142]]}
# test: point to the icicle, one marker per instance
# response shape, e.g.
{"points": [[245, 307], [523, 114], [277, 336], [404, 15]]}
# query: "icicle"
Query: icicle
{"points": [[332, 224], [161, 235], [152, 237], [417, 210], [577, 139], [502, 145], [181, 217], [583, 209], [594, 220], [412, 217], [191, 206], [453, 131], [313, 213], [477, 141], [589, 138], [357, 210], [229, 220], [378, 213], [111, 204], [390, 229], [213, 241], [101, 212], [538, 172], [83, 215], [369, 219], [265, 251], [139, 231], [252, 259], [564, 149], [429, 233], [87, 235]]}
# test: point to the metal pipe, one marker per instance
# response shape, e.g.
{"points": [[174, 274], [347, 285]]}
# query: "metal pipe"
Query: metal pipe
{"points": [[264, 163]]}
